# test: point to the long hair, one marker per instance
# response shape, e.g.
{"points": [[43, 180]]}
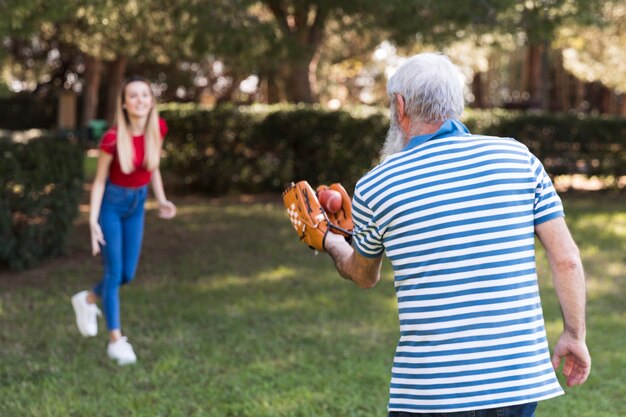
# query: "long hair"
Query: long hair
{"points": [[152, 133]]}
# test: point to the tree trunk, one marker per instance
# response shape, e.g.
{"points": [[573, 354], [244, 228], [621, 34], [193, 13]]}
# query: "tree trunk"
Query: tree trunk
{"points": [[491, 77], [115, 78], [580, 95], [605, 100], [622, 107], [533, 76], [477, 91], [302, 28], [93, 76], [562, 84], [545, 86], [272, 91], [301, 77]]}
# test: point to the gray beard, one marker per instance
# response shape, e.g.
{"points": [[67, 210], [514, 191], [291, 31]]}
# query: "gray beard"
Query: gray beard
{"points": [[394, 142]]}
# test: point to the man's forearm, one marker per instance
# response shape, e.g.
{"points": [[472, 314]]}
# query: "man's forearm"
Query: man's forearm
{"points": [[364, 273], [569, 283], [340, 252], [567, 272]]}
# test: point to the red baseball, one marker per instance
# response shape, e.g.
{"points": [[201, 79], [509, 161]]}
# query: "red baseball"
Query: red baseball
{"points": [[330, 200]]}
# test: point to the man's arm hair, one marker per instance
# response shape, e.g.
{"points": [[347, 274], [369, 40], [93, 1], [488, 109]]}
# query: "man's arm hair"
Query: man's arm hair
{"points": [[569, 282], [567, 273], [364, 271]]}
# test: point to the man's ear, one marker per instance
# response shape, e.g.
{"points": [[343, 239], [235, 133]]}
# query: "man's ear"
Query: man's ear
{"points": [[400, 109], [404, 121]]}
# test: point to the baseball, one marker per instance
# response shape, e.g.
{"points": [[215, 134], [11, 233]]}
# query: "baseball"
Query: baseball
{"points": [[330, 200]]}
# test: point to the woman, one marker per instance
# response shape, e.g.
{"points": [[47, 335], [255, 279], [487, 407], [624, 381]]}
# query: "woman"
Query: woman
{"points": [[128, 161]]}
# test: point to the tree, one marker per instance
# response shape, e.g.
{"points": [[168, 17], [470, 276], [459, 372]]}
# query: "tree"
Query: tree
{"points": [[118, 30], [596, 52], [27, 43], [291, 33], [105, 36], [539, 21]]}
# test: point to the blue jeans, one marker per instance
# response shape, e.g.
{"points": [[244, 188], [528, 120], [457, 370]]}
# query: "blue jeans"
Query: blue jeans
{"points": [[522, 410], [122, 222]]}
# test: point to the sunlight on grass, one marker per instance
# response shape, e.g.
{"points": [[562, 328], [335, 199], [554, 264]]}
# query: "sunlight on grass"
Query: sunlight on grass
{"points": [[278, 273], [231, 315], [244, 210], [554, 328], [598, 287], [225, 281], [167, 363]]}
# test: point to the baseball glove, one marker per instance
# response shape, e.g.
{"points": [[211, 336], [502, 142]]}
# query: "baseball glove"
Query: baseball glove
{"points": [[341, 220], [309, 218]]}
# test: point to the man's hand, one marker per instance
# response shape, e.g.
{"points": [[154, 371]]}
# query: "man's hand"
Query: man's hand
{"points": [[577, 360]]}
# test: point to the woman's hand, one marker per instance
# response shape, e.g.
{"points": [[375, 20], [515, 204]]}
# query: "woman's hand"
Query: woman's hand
{"points": [[97, 238], [167, 209]]}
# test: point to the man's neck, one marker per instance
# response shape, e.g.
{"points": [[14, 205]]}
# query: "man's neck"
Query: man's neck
{"points": [[419, 129], [426, 128]]}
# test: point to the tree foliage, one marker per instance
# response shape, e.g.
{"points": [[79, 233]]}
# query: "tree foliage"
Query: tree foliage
{"points": [[597, 52], [297, 48]]}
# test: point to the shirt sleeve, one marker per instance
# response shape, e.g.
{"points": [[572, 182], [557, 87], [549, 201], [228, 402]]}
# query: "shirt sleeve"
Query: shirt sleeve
{"points": [[163, 127], [107, 143], [547, 204], [366, 237]]}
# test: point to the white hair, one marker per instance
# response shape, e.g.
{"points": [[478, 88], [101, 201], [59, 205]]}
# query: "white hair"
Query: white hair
{"points": [[394, 142], [431, 86]]}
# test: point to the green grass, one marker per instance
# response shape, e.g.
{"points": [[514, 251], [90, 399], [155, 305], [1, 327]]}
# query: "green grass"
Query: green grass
{"points": [[90, 165], [231, 316]]}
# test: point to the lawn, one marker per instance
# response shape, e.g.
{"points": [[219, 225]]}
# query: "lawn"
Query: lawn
{"points": [[231, 316]]}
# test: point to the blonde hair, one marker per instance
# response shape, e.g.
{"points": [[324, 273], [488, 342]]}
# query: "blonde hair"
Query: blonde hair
{"points": [[152, 133]]}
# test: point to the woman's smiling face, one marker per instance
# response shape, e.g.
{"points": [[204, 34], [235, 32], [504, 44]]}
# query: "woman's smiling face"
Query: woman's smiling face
{"points": [[138, 100]]}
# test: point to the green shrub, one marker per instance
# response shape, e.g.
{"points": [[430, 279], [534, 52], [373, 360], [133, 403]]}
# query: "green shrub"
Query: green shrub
{"points": [[233, 150], [565, 143], [28, 111], [41, 184], [263, 148]]}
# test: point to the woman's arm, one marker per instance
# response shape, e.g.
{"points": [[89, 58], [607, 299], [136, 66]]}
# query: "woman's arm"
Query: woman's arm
{"points": [[95, 200], [167, 209]]}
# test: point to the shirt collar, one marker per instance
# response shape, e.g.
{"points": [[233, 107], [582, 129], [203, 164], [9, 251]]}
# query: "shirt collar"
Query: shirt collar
{"points": [[450, 127]]}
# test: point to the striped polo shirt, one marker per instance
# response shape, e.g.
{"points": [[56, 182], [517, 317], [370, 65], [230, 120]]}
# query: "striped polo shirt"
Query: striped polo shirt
{"points": [[455, 214]]}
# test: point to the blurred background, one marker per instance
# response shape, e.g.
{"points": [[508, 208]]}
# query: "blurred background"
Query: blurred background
{"points": [[261, 93], [549, 55]]}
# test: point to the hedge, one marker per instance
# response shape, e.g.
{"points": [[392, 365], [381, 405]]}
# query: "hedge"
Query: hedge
{"points": [[565, 143], [257, 149], [28, 111], [248, 150], [41, 183]]}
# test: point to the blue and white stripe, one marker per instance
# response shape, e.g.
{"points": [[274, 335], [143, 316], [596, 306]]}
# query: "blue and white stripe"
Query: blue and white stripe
{"points": [[455, 213]]}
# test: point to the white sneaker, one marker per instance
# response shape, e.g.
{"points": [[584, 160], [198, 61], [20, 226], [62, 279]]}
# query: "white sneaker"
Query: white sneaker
{"points": [[86, 314], [122, 352]]}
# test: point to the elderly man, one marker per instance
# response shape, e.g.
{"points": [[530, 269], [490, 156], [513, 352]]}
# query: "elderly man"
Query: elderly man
{"points": [[457, 214]]}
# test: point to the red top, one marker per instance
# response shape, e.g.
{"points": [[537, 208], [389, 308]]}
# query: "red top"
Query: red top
{"points": [[140, 176]]}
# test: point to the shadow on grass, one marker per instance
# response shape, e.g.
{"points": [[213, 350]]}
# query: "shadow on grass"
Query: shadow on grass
{"points": [[229, 315], [232, 316]]}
